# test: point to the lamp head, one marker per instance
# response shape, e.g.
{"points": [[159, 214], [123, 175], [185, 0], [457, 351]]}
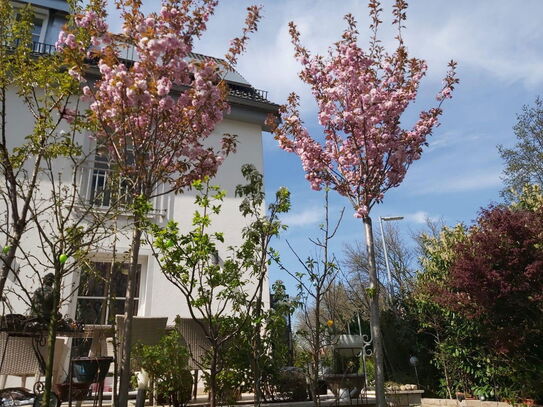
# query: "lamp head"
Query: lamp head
{"points": [[387, 218]]}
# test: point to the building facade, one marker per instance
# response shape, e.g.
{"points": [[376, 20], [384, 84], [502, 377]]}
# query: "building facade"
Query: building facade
{"points": [[156, 296]]}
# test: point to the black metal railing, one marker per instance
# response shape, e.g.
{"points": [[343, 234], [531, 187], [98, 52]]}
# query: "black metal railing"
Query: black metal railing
{"points": [[36, 47], [247, 92], [42, 48]]}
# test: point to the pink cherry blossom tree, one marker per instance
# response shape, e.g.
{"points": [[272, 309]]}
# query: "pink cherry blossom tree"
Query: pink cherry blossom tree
{"points": [[154, 113], [361, 96]]}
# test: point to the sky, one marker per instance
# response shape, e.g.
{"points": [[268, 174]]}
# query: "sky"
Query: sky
{"points": [[498, 45]]}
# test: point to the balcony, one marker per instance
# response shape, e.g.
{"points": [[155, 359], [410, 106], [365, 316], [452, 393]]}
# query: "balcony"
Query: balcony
{"points": [[43, 49], [101, 188]]}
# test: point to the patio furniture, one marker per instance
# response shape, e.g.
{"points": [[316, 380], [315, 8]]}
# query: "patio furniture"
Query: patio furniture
{"points": [[18, 357], [197, 345], [145, 330], [84, 372], [195, 340], [99, 334], [22, 354], [345, 380]]}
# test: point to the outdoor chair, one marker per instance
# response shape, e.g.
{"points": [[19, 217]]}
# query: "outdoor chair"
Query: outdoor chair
{"points": [[197, 344], [145, 330], [18, 358]]}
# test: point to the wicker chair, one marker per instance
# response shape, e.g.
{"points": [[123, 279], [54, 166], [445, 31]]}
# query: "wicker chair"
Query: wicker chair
{"points": [[145, 330], [18, 358]]}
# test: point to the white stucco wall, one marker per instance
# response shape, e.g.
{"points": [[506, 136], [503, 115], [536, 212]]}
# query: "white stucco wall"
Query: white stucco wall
{"points": [[158, 297], [164, 299]]}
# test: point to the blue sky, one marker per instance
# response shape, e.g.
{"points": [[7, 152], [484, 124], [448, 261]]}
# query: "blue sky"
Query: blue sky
{"points": [[498, 45]]}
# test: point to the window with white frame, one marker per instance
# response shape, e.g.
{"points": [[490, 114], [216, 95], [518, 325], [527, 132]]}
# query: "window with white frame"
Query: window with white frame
{"points": [[103, 186], [40, 21], [38, 29], [99, 283]]}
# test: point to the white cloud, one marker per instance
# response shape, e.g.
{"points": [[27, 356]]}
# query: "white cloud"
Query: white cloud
{"points": [[307, 217], [459, 182], [420, 217], [449, 139], [503, 40]]}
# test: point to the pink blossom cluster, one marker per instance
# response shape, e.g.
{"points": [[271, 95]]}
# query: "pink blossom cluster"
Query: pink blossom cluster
{"points": [[162, 106], [361, 96]]}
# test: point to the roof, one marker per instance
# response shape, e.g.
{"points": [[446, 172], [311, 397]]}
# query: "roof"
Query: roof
{"points": [[239, 86], [60, 5], [231, 75]]}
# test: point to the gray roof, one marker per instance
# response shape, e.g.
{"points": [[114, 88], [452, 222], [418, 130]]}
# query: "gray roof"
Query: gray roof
{"points": [[231, 75], [239, 86], [61, 5]]}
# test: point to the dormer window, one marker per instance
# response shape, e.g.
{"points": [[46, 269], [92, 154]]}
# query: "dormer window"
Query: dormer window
{"points": [[40, 22], [38, 29]]}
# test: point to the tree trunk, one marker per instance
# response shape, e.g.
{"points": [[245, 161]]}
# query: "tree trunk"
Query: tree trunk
{"points": [[257, 351], [444, 364], [51, 339], [316, 350], [126, 344], [213, 381], [375, 317]]}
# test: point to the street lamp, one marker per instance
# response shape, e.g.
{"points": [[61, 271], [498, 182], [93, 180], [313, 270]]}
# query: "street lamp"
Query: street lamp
{"points": [[389, 275]]}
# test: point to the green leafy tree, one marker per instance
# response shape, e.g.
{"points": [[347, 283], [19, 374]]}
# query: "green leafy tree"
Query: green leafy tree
{"points": [[453, 335], [35, 86], [226, 297], [479, 296], [255, 250], [273, 355], [167, 366], [524, 161]]}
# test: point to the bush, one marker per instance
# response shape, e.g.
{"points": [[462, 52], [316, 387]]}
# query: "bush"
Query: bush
{"points": [[167, 366], [291, 385]]}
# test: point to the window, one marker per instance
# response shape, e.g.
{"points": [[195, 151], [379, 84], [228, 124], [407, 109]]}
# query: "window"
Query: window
{"points": [[93, 291], [102, 186], [40, 25], [37, 29]]}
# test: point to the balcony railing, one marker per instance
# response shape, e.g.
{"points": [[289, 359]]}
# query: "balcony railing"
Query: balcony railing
{"points": [[101, 188], [41, 48], [37, 47], [248, 93]]}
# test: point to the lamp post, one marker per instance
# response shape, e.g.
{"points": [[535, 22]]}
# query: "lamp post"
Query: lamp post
{"points": [[389, 274]]}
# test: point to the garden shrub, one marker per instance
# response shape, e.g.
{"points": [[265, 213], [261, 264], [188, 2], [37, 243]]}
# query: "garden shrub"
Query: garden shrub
{"points": [[479, 296], [291, 385], [167, 366]]}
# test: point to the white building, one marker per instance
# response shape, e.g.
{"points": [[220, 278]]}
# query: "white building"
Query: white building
{"points": [[156, 296]]}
